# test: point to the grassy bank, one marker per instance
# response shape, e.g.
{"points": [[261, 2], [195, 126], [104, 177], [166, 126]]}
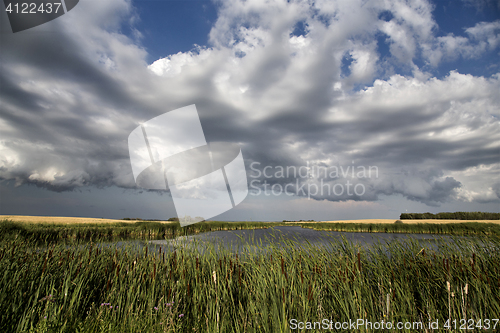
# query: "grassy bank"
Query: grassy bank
{"points": [[465, 228], [55, 232], [118, 230], [63, 289]]}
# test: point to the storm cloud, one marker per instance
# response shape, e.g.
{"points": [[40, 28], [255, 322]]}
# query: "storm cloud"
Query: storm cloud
{"points": [[273, 79]]}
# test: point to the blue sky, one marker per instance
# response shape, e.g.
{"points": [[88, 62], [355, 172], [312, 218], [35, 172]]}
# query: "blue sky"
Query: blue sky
{"points": [[408, 87], [169, 27], [172, 26]]}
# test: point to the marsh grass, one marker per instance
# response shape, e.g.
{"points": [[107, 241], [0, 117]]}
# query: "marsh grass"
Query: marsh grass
{"points": [[56, 288], [466, 228], [56, 232]]}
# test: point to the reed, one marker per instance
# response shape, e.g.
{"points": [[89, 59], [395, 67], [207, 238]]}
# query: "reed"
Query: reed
{"points": [[464, 229], [56, 232], [91, 288]]}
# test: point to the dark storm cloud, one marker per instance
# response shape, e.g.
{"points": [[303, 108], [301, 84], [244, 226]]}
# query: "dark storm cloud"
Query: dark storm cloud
{"points": [[72, 93]]}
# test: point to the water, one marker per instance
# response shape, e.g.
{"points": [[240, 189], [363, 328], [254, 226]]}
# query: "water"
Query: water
{"points": [[284, 236]]}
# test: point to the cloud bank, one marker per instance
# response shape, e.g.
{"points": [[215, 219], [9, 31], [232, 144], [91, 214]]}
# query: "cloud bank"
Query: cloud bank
{"points": [[292, 82]]}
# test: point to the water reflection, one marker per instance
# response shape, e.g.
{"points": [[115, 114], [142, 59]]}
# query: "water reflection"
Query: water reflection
{"points": [[285, 236]]}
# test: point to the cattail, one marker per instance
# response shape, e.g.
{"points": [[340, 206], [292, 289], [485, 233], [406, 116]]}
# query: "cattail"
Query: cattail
{"points": [[301, 277], [197, 263], [154, 270], [388, 304], [44, 265], [283, 293], [239, 275]]}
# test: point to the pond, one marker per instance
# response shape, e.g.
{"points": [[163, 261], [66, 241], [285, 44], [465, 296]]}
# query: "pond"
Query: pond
{"points": [[284, 236]]}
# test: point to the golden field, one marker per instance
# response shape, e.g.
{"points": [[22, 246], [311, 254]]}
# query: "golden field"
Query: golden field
{"points": [[410, 221], [72, 220], [61, 219]]}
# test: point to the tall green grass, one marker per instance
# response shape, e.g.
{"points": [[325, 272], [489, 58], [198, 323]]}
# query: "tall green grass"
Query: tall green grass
{"points": [[467, 228], [56, 288], [55, 232]]}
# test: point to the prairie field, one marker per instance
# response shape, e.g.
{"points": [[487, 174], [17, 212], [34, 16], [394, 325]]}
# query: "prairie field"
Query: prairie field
{"points": [[434, 221], [61, 219], [80, 220]]}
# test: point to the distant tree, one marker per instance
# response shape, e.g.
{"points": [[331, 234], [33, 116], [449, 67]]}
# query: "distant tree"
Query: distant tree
{"points": [[451, 216]]}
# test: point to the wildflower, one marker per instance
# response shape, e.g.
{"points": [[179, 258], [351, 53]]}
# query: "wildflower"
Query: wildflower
{"points": [[156, 308], [181, 315]]}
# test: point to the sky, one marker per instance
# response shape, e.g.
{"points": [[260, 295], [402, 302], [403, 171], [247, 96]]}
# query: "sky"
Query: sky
{"points": [[315, 93]]}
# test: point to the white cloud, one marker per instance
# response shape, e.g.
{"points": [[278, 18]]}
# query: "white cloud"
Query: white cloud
{"points": [[281, 95], [483, 37]]}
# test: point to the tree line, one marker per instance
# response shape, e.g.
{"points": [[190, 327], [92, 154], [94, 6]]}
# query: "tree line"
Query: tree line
{"points": [[451, 216]]}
